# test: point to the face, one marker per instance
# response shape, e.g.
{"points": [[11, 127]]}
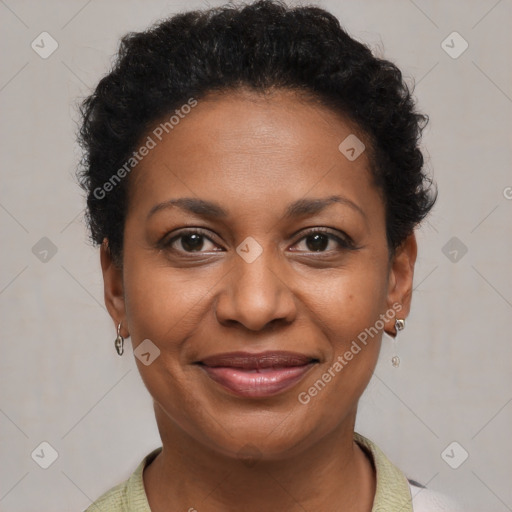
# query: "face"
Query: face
{"points": [[249, 232]]}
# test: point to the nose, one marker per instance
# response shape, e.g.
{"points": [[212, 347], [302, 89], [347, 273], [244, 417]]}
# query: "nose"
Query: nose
{"points": [[255, 295]]}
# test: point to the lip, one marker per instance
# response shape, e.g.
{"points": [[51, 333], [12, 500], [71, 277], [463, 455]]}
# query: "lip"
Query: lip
{"points": [[257, 375]]}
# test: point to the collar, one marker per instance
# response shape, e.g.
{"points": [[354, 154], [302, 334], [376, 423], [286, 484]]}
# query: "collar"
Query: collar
{"points": [[392, 493]]}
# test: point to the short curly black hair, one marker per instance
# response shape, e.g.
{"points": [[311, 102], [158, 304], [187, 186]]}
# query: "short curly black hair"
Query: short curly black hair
{"points": [[264, 45]]}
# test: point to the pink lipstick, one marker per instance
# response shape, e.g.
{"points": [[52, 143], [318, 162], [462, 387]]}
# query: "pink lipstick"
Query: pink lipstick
{"points": [[257, 375]]}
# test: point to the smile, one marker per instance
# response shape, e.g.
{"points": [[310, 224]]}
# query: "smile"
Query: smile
{"points": [[257, 375]]}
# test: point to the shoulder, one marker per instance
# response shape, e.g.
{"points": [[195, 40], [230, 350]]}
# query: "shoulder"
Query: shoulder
{"points": [[128, 496], [427, 500], [394, 491], [114, 500]]}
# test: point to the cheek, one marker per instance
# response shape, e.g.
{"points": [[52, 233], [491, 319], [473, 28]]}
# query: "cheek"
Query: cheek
{"points": [[346, 310], [347, 301], [162, 303]]}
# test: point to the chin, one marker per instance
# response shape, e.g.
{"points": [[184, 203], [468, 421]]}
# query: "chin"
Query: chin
{"points": [[273, 437]]}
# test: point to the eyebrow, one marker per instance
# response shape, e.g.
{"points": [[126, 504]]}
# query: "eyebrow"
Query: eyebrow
{"points": [[210, 209]]}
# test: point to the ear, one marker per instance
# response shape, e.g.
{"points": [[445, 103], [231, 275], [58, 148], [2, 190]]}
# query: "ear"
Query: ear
{"points": [[113, 288], [401, 274]]}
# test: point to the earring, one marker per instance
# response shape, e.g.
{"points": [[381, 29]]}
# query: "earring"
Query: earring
{"points": [[119, 341], [399, 326]]}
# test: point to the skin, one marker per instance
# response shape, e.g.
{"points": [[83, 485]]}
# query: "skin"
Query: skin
{"points": [[253, 155]]}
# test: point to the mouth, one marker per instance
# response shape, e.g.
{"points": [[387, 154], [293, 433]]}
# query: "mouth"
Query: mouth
{"points": [[257, 375]]}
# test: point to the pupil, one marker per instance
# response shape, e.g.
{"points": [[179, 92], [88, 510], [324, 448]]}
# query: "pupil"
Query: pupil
{"points": [[196, 244], [315, 243], [320, 242]]}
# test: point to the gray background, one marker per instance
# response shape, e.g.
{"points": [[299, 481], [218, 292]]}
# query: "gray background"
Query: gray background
{"points": [[60, 377]]}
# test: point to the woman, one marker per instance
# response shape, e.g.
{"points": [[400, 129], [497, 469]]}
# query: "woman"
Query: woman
{"points": [[254, 181]]}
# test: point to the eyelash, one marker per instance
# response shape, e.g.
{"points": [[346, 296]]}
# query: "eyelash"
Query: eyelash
{"points": [[346, 244]]}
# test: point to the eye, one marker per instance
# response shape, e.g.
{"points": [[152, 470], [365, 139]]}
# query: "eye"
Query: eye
{"points": [[190, 241], [318, 240]]}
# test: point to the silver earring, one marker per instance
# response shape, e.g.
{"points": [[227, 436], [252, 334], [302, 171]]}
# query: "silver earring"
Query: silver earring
{"points": [[119, 341], [399, 326]]}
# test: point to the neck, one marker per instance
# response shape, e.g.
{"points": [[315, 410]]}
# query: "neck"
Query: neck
{"points": [[333, 474]]}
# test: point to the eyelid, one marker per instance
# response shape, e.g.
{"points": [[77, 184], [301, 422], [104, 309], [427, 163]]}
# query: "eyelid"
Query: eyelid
{"points": [[341, 237], [343, 240], [166, 241]]}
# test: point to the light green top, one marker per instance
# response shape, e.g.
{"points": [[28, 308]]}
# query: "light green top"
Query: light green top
{"points": [[392, 493]]}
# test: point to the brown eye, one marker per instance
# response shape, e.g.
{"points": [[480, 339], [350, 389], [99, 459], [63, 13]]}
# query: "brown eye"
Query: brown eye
{"points": [[317, 242], [324, 241], [189, 242], [192, 242]]}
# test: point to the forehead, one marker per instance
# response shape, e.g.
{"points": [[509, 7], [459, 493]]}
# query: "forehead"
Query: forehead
{"points": [[251, 152]]}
